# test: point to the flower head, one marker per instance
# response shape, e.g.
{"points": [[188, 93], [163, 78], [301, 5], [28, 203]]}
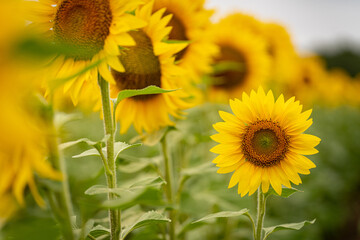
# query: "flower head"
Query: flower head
{"points": [[157, 67], [90, 34], [263, 142]]}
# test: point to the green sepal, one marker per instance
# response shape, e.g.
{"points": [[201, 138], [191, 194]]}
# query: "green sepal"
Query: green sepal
{"points": [[149, 218], [287, 226]]}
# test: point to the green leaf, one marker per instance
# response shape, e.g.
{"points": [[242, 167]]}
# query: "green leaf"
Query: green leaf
{"points": [[287, 226], [148, 218], [120, 191], [172, 41], [121, 146], [146, 196], [66, 145], [148, 182], [136, 92], [137, 165], [62, 118], [224, 214], [225, 66], [99, 231], [118, 148], [285, 193], [199, 170]]}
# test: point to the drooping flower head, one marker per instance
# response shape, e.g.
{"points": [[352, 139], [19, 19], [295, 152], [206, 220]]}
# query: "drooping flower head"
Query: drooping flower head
{"points": [[242, 64], [150, 62], [263, 142], [89, 33]]}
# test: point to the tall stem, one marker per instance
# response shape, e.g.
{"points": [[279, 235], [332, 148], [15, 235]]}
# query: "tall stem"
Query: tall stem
{"points": [[63, 198], [114, 215], [260, 214], [169, 188]]}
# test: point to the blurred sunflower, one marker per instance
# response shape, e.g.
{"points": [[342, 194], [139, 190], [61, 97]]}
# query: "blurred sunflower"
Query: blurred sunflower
{"points": [[150, 112], [284, 60], [242, 64], [89, 33], [263, 143], [188, 22], [310, 81], [23, 148]]}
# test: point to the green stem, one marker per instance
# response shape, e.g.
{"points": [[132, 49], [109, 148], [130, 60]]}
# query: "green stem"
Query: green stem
{"points": [[169, 188], [114, 214], [260, 214], [63, 198]]}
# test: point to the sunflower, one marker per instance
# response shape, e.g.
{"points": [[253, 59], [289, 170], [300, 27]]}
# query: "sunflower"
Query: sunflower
{"points": [[263, 142], [242, 64], [310, 80], [188, 22], [284, 60], [89, 33], [150, 112]]}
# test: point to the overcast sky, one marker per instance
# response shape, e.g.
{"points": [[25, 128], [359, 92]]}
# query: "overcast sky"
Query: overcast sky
{"points": [[312, 23]]}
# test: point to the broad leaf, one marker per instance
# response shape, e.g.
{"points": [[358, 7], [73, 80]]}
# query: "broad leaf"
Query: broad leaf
{"points": [[81, 140], [118, 148], [136, 92], [285, 193], [199, 170], [287, 226], [224, 214], [148, 218], [121, 191], [146, 196], [62, 118], [99, 231]]}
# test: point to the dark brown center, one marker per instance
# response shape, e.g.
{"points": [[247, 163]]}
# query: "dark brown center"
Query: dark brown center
{"points": [[178, 32], [83, 26], [264, 143], [229, 68], [142, 67]]}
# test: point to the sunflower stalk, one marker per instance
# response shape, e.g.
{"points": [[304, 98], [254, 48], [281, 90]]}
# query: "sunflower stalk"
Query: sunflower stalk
{"points": [[169, 176], [63, 205], [114, 214], [261, 201]]}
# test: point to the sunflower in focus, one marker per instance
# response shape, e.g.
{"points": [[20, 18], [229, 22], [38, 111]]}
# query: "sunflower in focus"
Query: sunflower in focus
{"points": [[188, 22], [150, 62], [242, 64], [89, 33], [263, 142]]}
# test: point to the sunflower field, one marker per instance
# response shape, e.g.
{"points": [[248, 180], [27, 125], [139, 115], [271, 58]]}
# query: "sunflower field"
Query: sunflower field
{"points": [[153, 120]]}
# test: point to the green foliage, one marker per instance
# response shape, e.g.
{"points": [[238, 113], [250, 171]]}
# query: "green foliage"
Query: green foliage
{"points": [[287, 226], [285, 193], [137, 92], [224, 214], [148, 218]]}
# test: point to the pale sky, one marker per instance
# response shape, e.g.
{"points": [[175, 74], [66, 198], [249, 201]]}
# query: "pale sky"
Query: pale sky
{"points": [[311, 23]]}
